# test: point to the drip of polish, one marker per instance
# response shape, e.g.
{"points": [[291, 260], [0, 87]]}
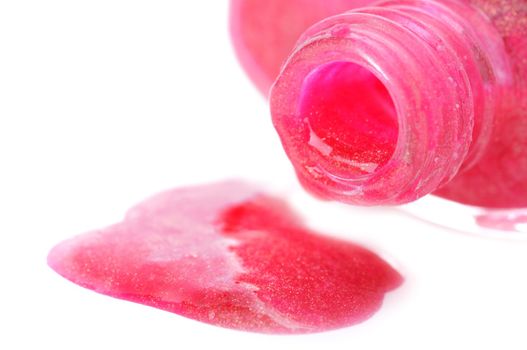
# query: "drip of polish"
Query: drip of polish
{"points": [[504, 220], [229, 255]]}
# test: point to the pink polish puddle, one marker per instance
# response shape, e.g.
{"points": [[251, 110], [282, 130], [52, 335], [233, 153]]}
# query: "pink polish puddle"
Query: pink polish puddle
{"points": [[511, 220], [229, 255]]}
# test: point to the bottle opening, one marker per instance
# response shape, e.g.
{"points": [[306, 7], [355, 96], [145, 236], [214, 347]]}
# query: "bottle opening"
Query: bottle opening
{"points": [[351, 117]]}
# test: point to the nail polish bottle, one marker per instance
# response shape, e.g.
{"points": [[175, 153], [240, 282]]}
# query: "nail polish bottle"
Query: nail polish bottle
{"points": [[384, 104], [265, 31]]}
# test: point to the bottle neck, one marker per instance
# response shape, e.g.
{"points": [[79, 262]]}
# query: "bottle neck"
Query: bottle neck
{"points": [[385, 104]]}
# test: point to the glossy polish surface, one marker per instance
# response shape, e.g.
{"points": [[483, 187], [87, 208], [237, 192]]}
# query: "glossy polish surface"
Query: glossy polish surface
{"points": [[229, 255], [350, 116]]}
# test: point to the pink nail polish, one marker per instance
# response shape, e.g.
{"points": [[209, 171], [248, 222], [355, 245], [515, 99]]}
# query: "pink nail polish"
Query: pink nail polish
{"points": [[385, 104], [229, 255], [504, 220], [265, 31]]}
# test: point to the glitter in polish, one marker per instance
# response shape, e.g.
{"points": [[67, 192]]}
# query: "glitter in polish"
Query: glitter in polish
{"points": [[229, 255]]}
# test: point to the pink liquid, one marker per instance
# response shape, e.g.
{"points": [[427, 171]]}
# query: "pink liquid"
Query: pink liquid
{"points": [[384, 104], [504, 220], [336, 91], [229, 255]]}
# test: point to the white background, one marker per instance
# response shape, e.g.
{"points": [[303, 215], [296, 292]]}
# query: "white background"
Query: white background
{"points": [[103, 103]]}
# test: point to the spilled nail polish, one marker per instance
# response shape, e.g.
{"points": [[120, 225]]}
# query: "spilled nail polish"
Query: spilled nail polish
{"points": [[229, 255], [504, 220]]}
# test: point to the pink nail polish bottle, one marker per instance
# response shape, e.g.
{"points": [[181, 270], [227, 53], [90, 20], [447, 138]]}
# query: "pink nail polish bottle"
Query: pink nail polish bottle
{"points": [[265, 31], [385, 104]]}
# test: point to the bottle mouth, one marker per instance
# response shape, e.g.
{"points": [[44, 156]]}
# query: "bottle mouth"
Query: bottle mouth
{"points": [[351, 117], [373, 112]]}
